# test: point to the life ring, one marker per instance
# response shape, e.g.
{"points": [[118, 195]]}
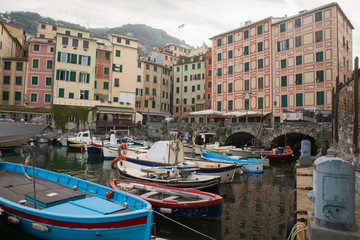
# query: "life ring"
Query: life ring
{"points": [[287, 149], [121, 147], [115, 160]]}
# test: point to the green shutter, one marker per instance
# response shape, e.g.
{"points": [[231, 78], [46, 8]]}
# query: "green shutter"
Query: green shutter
{"points": [[79, 76], [80, 59], [87, 77], [278, 46], [73, 58], [113, 67], [86, 95], [120, 68], [57, 74], [68, 57], [59, 56], [287, 44], [72, 76], [89, 58], [67, 76]]}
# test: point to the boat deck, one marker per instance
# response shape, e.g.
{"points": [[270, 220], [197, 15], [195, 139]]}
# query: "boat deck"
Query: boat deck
{"points": [[16, 187]]}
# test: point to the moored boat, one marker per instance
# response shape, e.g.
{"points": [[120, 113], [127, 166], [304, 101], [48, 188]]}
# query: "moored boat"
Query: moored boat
{"points": [[279, 153], [174, 202], [66, 207], [81, 140]]}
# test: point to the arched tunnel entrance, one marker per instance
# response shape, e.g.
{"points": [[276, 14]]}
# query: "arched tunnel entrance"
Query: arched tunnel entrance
{"points": [[294, 141], [240, 139]]}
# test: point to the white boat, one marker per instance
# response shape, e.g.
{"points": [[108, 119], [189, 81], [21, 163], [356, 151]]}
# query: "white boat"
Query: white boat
{"points": [[247, 152], [13, 135], [170, 153], [81, 140], [219, 149]]}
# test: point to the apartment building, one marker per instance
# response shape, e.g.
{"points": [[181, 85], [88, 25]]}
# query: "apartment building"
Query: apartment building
{"points": [[310, 50], [13, 65], [177, 51], [46, 30], [189, 87], [74, 67], [208, 78], [241, 68], [40, 74], [153, 90]]}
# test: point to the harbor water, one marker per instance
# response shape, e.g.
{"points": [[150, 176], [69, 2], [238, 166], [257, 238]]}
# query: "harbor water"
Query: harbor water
{"points": [[256, 206]]}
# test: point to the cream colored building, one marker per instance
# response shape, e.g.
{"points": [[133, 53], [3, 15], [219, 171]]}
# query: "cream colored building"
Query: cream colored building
{"points": [[46, 30]]}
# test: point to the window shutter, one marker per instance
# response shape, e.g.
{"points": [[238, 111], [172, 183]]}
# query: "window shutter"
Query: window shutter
{"points": [[113, 67], [86, 94], [89, 58], [79, 76], [278, 46], [73, 58], [72, 76], [87, 77], [287, 44], [120, 68], [57, 74], [67, 76], [68, 57], [59, 56], [80, 59]]}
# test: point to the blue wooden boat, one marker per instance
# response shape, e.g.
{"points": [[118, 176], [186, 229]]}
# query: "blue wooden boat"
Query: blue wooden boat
{"points": [[66, 207], [248, 165]]}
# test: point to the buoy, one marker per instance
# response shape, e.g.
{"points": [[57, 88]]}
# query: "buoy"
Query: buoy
{"points": [[115, 160], [13, 220], [165, 210], [40, 227], [109, 194]]}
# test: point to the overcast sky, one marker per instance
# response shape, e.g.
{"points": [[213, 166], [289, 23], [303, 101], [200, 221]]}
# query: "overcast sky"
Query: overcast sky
{"points": [[202, 18]]}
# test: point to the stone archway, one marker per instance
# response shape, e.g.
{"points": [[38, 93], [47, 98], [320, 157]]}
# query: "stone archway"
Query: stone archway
{"points": [[294, 141], [240, 139]]}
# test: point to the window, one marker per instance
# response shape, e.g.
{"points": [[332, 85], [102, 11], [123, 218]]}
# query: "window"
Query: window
{"points": [[84, 60], [282, 27], [230, 70], [219, 71], [298, 79], [320, 76], [155, 68], [230, 105], [319, 57], [246, 66], [260, 83], [219, 42], [185, 89], [43, 26], [199, 65], [260, 63], [115, 99], [67, 32], [299, 99], [319, 36], [62, 57], [193, 65], [283, 101], [49, 64], [61, 92], [230, 54], [34, 80], [260, 103], [48, 81], [5, 96], [117, 53], [297, 23], [54, 28], [65, 41], [318, 16], [118, 40], [84, 77], [17, 96], [320, 99], [298, 41], [106, 85], [62, 75], [198, 87], [209, 73], [33, 97], [219, 88], [7, 80], [7, 65], [127, 42], [85, 45], [193, 88], [259, 30], [247, 85], [209, 84], [71, 95], [247, 104], [230, 87], [283, 81], [218, 107], [246, 34], [18, 80], [260, 46], [283, 63], [35, 63], [246, 50], [230, 39], [298, 60], [219, 57], [155, 79], [80, 34], [75, 42], [36, 47]]}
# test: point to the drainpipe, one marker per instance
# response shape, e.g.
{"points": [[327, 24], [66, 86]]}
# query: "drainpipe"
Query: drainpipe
{"points": [[356, 107]]}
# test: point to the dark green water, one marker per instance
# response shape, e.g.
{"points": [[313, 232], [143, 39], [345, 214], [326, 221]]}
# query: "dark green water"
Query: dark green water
{"points": [[256, 206]]}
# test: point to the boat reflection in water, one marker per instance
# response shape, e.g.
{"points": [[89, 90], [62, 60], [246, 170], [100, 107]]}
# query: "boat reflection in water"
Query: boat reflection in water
{"points": [[255, 206]]}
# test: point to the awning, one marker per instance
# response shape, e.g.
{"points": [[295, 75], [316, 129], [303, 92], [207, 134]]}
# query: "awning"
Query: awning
{"points": [[113, 110], [207, 112], [155, 113]]}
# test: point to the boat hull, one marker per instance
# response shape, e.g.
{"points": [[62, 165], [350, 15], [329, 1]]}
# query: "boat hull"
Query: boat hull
{"points": [[74, 217], [204, 205], [246, 153]]}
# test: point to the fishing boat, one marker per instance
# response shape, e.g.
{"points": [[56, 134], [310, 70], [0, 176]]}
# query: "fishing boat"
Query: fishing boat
{"points": [[171, 176], [279, 153], [81, 140], [174, 202], [248, 165], [13, 135], [170, 153], [65, 207]]}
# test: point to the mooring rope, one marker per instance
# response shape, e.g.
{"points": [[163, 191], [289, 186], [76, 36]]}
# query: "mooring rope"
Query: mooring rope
{"points": [[184, 226]]}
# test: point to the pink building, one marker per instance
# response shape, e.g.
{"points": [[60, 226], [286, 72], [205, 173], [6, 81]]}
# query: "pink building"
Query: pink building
{"points": [[309, 51], [40, 75]]}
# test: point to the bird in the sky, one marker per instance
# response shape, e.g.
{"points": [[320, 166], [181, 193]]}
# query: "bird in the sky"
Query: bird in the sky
{"points": [[182, 25]]}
